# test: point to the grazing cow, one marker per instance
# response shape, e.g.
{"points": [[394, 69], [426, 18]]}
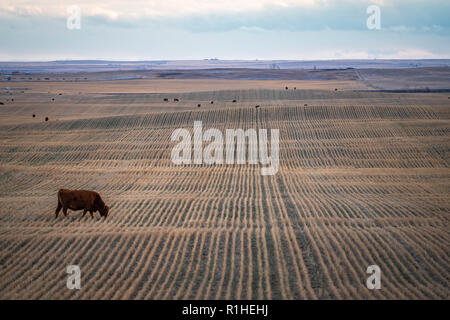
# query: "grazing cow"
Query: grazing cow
{"points": [[286, 88], [335, 89], [212, 102], [34, 116], [176, 99], [199, 105], [46, 118], [295, 88], [165, 99], [53, 99], [234, 100], [1, 103], [257, 106], [81, 200], [306, 104]]}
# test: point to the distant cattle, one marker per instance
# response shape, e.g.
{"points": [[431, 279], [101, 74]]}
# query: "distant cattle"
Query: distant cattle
{"points": [[199, 105], [46, 118], [257, 106], [212, 102], [1, 103], [234, 101], [34, 116], [335, 89], [295, 88], [286, 88], [81, 200], [53, 99], [12, 99], [176, 99], [306, 104], [60, 94], [165, 99]]}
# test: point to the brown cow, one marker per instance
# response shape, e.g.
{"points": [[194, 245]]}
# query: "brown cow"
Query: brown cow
{"points": [[81, 199]]}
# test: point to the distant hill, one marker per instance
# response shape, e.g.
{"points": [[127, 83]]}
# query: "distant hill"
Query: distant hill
{"points": [[104, 65]]}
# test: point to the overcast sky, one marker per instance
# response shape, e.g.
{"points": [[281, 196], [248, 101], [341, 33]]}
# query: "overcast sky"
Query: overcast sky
{"points": [[224, 29]]}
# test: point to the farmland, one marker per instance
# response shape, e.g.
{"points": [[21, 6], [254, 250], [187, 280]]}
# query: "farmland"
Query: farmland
{"points": [[363, 180]]}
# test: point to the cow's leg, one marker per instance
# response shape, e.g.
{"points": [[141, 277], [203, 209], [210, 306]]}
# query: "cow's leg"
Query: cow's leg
{"points": [[92, 215], [58, 209], [84, 213], [65, 211]]}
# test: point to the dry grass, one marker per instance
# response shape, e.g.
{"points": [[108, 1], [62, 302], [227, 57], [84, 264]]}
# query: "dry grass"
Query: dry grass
{"points": [[176, 85], [359, 184]]}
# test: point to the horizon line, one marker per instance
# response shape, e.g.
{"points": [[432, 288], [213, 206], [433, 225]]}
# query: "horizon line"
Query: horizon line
{"points": [[227, 60]]}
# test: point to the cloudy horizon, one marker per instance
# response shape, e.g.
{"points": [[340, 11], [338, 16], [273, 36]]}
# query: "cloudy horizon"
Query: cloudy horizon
{"points": [[229, 30]]}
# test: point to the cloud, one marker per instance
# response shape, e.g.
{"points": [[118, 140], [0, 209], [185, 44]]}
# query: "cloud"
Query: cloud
{"points": [[402, 28], [145, 8], [411, 53], [107, 13], [23, 10], [233, 29], [225, 15]]}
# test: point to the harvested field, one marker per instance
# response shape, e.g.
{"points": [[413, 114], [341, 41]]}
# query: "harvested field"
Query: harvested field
{"points": [[364, 179]]}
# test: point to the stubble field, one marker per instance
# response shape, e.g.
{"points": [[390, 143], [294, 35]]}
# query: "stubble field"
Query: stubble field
{"points": [[363, 180]]}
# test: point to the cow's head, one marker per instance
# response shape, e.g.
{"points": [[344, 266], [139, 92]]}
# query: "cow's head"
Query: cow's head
{"points": [[101, 207], [104, 211]]}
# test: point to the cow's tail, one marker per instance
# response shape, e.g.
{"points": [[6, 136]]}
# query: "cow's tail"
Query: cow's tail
{"points": [[59, 198], [58, 208]]}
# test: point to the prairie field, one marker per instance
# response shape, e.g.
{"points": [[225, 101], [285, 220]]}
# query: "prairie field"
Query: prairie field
{"points": [[364, 180]]}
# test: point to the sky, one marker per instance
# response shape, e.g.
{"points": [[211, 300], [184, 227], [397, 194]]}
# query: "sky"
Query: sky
{"points": [[43, 30]]}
